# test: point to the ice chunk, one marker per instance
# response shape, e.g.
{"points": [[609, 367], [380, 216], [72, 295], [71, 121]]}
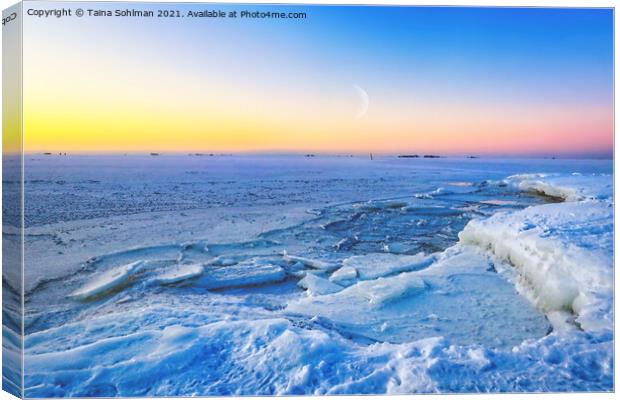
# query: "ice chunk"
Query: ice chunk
{"points": [[298, 270], [497, 202], [223, 261], [383, 290], [375, 205], [243, 274], [316, 264], [315, 285], [107, 281], [179, 274], [396, 248], [344, 276], [375, 265]]}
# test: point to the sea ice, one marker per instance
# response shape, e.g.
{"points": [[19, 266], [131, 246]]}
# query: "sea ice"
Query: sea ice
{"points": [[242, 274], [315, 285], [495, 202], [469, 302], [562, 253], [344, 276], [383, 290], [180, 273], [570, 187], [107, 281], [223, 261], [316, 264], [374, 265], [451, 322]]}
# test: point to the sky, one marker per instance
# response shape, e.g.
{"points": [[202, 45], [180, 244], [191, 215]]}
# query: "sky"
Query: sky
{"points": [[11, 90], [503, 81]]}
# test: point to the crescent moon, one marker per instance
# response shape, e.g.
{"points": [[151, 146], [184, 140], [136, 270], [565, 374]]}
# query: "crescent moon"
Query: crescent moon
{"points": [[364, 101]]}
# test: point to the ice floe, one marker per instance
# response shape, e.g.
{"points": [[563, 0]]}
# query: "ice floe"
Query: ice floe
{"points": [[494, 202], [315, 285], [311, 263], [107, 281], [383, 290], [344, 276], [180, 273], [371, 266], [242, 274]]}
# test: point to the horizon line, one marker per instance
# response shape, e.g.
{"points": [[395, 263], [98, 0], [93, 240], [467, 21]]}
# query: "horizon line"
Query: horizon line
{"points": [[601, 155]]}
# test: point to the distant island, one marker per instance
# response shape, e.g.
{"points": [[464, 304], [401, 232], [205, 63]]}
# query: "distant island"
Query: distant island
{"points": [[417, 156]]}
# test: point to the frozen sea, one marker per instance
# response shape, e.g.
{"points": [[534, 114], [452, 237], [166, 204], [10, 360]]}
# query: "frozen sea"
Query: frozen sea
{"points": [[238, 275]]}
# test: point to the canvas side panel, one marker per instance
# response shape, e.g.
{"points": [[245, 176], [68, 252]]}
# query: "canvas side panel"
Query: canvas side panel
{"points": [[12, 202]]}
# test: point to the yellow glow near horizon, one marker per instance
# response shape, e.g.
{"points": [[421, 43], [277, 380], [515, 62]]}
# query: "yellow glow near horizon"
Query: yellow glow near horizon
{"points": [[136, 122]]}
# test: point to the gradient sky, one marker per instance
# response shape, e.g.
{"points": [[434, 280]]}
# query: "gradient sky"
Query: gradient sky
{"points": [[445, 80]]}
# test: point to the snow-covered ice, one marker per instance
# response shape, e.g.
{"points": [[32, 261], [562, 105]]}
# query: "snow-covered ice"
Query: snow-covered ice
{"points": [[383, 290], [180, 274], [316, 264], [107, 281], [315, 285], [460, 296], [344, 276], [562, 253], [375, 265], [570, 187], [242, 274], [406, 276]]}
